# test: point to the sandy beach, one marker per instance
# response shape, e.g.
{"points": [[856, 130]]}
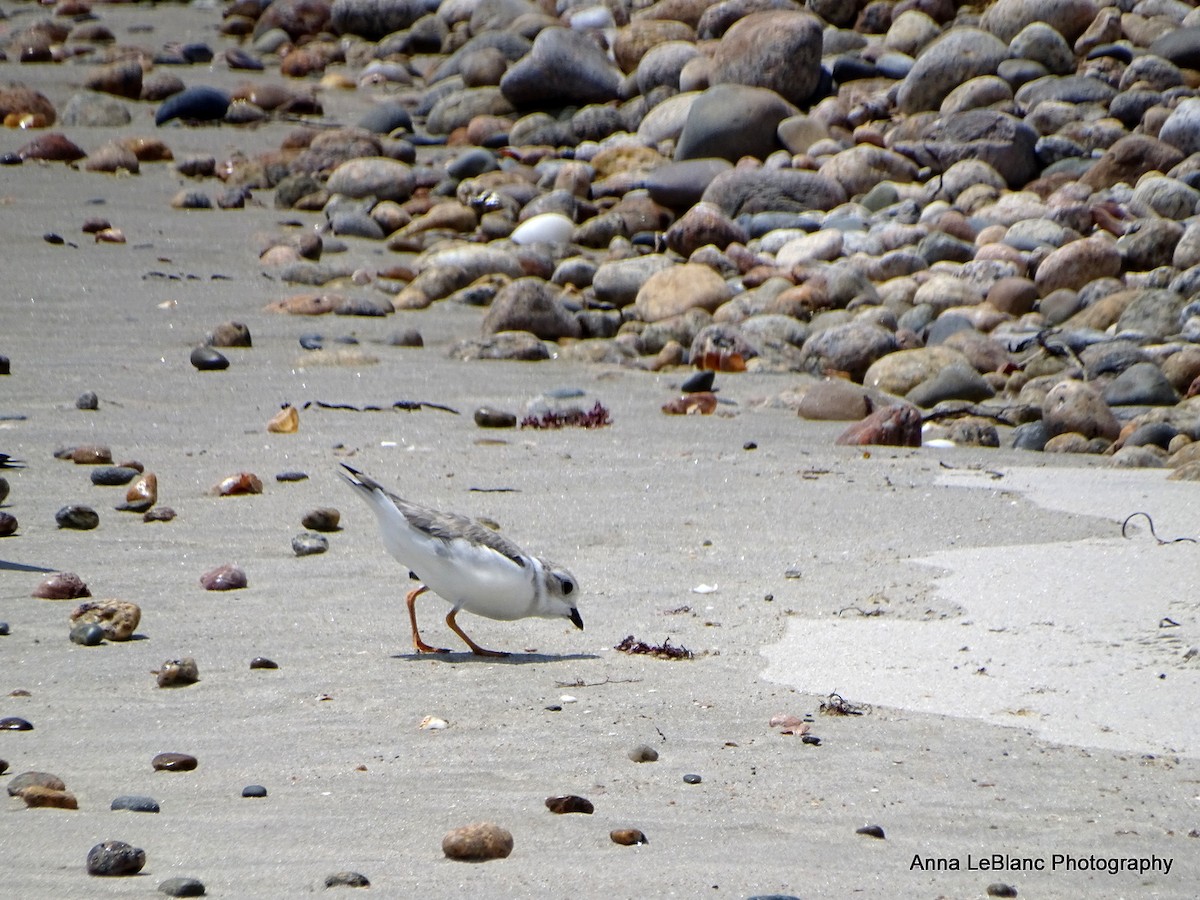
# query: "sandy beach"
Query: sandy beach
{"points": [[1022, 670]]}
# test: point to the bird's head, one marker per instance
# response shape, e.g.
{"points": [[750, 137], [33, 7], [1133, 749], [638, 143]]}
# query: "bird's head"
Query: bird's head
{"points": [[562, 594]]}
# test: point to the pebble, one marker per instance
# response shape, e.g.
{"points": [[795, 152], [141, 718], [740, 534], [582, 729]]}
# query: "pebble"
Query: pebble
{"points": [[88, 634], [182, 887], [1000, 889], [18, 783], [870, 831], [135, 803], [77, 517], [141, 495], [62, 586], [323, 518], [37, 796], [478, 842], [627, 837], [309, 544], [206, 359], [692, 779], [261, 662], [570, 803], [487, 417], [15, 723], [87, 401], [254, 790], [643, 753], [174, 762], [8, 524], [228, 577], [115, 858], [178, 673], [347, 879], [114, 476], [117, 619]]}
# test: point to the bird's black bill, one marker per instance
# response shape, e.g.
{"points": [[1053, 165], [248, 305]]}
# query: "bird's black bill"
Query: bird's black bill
{"points": [[577, 619]]}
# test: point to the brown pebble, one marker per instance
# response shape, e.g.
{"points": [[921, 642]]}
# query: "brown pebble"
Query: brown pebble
{"points": [[110, 236], [48, 798], [477, 842], [230, 334], [323, 518], [62, 586], [118, 618], [8, 524], [627, 837], [174, 762], [91, 226], [178, 673], [142, 494], [486, 417], [286, 421], [91, 455], [159, 514], [570, 803], [702, 403], [1000, 889], [224, 578], [241, 483]]}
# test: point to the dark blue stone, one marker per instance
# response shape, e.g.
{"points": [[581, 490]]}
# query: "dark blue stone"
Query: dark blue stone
{"points": [[200, 104], [134, 803]]}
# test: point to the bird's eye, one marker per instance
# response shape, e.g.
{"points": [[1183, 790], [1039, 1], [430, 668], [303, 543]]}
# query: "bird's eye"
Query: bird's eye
{"points": [[567, 587]]}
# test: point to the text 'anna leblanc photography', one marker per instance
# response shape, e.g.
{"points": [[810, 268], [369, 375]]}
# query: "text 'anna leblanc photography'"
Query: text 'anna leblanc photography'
{"points": [[1055, 862]]}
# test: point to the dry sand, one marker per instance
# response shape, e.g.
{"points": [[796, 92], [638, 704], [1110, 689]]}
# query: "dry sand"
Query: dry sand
{"points": [[1023, 698]]}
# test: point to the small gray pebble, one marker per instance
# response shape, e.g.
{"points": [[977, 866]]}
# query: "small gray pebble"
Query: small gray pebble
{"points": [[78, 517], [114, 476], [3, 628], [182, 887], [87, 633], [408, 338], [307, 543], [1000, 889], [254, 790], [3, 489], [87, 400], [346, 879], [643, 753], [292, 476], [135, 803], [692, 779]]}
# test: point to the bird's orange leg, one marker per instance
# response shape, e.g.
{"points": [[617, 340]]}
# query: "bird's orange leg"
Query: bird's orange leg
{"points": [[475, 648], [411, 600]]}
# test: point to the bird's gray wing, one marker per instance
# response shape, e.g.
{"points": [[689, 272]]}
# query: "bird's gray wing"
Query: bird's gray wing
{"points": [[448, 526]]}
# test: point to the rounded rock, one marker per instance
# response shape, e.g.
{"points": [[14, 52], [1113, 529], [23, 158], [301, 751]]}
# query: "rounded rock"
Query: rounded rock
{"points": [[114, 476], [182, 887], [89, 634], [206, 359], [194, 104], [261, 662], [174, 762], [118, 619], [62, 586], [308, 543], [228, 577], [323, 518], [570, 803], [115, 858], [477, 842], [347, 879], [135, 803], [627, 837], [8, 524], [77, 517], [254, 790], [486, 417]]}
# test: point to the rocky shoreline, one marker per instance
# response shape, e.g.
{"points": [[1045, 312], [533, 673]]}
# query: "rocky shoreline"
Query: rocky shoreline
{"points": [[988, 212]]}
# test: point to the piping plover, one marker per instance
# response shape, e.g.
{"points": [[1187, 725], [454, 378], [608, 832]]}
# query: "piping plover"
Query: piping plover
{"points": [[466, 564]]}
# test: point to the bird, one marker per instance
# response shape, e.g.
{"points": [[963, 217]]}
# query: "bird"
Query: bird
{"points": [[465, 563]]}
